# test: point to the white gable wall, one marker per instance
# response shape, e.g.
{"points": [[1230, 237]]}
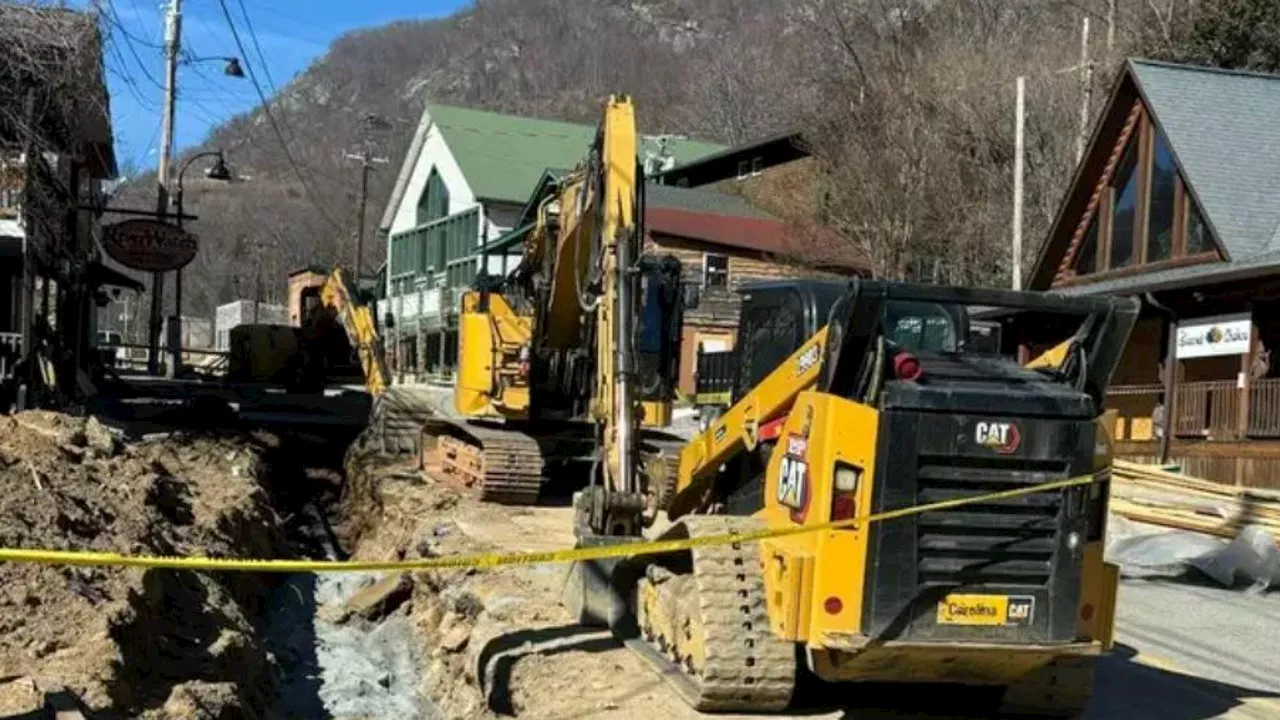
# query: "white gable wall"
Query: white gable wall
{"points": [[435, 154], [502, 218]]}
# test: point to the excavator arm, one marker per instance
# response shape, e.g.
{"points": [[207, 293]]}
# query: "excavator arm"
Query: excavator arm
{"points": [[361, 328]]}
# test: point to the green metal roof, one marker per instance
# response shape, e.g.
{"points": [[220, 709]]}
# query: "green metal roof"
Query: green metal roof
{"points": [[701, 201], [504, 156]]}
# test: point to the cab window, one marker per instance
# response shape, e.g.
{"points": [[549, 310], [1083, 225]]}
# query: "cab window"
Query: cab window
{"points": [[921, 327]]}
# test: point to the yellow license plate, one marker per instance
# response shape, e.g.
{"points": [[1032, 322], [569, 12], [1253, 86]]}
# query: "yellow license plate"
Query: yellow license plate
{"points": [[985, 610]]}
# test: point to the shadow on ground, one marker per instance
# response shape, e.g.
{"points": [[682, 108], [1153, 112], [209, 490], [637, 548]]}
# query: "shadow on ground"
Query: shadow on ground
{"points": [[1125, 689]]}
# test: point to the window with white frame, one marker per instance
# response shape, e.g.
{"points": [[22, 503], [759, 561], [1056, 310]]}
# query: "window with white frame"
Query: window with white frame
{"points": [[715, 271]]}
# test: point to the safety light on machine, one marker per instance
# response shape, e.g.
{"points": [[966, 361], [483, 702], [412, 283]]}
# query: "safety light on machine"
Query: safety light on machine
{"points": [[844, 504], [907, 366]]}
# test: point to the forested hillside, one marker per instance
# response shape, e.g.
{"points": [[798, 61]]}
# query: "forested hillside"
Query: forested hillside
{"points": [[908, 105]]}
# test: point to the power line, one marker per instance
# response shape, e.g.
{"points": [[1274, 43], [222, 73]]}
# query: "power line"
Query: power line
{"points": [[122, 72], [253, 35], [294, 21], [266, 69], [275, 127], [115, 19]]}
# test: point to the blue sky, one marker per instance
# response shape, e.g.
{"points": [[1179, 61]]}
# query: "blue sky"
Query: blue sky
{"points": [[292, 34]]}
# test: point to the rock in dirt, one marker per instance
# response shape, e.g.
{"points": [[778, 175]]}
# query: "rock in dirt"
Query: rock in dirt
{"points": [[99, 438], [19, 696], [455, 631], [200, 701], [381, 598]]}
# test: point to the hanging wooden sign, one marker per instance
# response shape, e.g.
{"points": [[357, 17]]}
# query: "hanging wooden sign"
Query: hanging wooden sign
{"points": [[149, 245]]}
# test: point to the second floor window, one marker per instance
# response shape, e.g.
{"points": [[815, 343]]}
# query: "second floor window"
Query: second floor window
{"points": [[715, 271], [434, 203]]}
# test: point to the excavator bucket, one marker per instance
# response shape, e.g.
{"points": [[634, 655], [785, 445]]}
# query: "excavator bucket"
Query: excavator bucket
{"points": [[599, 592]]}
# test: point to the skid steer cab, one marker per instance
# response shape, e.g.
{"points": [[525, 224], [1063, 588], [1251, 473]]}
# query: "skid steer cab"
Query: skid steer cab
{"points": [[856, 399]]}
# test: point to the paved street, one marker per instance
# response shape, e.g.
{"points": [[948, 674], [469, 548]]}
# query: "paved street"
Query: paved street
{"points": [[1189, 652]]}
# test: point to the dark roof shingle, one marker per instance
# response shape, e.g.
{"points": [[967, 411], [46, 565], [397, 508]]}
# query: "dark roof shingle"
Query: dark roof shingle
{"points": [[1224, 129]]}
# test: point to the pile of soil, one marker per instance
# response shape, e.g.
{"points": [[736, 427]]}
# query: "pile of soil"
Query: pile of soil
{"points": [[134, 642]]}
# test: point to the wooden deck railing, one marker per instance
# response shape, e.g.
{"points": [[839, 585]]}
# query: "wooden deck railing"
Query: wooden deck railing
{"points": [[1264, 408], [1210, 410]]}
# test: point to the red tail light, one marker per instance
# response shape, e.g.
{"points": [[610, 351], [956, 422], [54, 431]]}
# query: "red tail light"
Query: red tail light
{"points": [[843, 507], [907, 366], [844, 492]]}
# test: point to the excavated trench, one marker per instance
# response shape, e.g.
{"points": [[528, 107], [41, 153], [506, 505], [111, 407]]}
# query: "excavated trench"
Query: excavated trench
{"points": [[330, 665], [167, 644]]}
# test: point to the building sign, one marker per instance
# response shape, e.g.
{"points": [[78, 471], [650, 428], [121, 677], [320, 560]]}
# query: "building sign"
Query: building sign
{"points": [[149, 245], [1214, 336]]}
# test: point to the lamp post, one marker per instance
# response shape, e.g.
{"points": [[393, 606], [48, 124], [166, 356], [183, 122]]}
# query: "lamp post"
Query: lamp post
{"points": [[173, 56], [219, 171]]}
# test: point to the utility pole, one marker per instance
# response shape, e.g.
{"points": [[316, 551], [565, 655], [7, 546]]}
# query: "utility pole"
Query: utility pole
{"points": [[1019, 150], [1086, 80], [172, 46], [27, 385], [367, 162], [1111, 29]]}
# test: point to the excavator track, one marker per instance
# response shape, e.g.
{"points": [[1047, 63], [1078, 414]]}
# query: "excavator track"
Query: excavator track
{"points": [[395, 423], [496, 464], [707, 631]]}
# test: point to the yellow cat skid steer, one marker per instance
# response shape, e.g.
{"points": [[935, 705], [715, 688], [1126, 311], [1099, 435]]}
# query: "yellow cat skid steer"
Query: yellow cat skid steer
{"points": [[870, 397]]}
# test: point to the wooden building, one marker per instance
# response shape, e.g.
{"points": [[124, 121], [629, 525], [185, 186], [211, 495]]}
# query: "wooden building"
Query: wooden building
{"points": [[1177, 201], [56, 156]]}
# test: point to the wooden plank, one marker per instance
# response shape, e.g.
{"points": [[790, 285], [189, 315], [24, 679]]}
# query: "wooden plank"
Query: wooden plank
{"points": [[1151, 494]]}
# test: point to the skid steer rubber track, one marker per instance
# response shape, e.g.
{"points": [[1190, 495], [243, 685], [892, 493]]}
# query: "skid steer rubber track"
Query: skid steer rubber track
{"points": [[705, 628], [494, 463]]}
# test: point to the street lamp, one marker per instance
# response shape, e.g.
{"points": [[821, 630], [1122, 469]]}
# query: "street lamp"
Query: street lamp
{"points": [[218, 171], [230, 68]]}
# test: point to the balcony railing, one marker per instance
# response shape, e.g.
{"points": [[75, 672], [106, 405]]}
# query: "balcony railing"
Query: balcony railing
{"points": [[1209, 409], [1264, 408]]}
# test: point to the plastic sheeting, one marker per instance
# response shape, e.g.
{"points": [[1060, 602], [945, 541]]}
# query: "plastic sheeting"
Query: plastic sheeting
{"points": [[1250, 560]]}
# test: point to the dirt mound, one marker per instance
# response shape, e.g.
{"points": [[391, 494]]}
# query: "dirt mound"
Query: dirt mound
{"points": [[130, 641]]}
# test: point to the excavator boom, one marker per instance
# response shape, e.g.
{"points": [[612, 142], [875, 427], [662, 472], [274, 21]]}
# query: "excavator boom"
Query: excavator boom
{"points": [[550, 374], [361, 327]]}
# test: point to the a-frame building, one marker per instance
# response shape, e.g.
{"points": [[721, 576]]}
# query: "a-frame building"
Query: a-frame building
{"points": [[1177, 201]]}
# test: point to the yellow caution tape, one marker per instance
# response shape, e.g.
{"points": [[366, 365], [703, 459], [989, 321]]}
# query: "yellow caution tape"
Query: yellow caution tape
{"points": [[490, 560]]}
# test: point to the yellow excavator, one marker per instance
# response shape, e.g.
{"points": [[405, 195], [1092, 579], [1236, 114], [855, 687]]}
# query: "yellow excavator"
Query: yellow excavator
{"points": [[870, 397], [567, 367], [398, 411]]}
